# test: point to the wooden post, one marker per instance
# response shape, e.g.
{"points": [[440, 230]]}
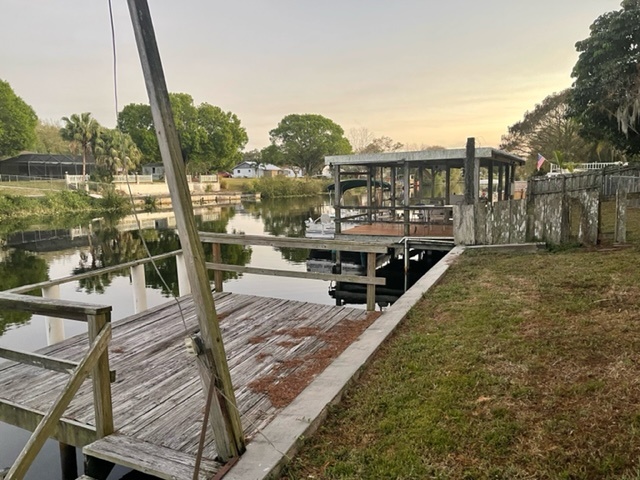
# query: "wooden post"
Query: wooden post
{"points": [[54, 326], [471, 174], [337, 202], [217, 258], [490, 189], [393, 192], [500, 180], [433, 184], [369, 195], [406, 199], [139, 285], [507, 182], [229, 437], [371, 289], [101, 379], [184, 287], [68, 461], [447, 186]]}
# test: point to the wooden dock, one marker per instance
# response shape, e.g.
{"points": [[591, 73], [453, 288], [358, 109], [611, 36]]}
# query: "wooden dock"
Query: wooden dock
{"points": [[274, 347], [397, 230]]}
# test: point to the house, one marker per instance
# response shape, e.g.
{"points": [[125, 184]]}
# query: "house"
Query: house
{"points": [[253, 170], [46, 165], [156, 170]]}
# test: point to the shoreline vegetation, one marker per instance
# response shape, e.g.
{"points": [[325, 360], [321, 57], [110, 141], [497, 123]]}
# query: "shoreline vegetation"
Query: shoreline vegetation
{"points": [[37, 201]]}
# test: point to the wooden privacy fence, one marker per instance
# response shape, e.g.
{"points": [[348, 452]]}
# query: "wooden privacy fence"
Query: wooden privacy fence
{"points": [[94, 362], [556, 210]]}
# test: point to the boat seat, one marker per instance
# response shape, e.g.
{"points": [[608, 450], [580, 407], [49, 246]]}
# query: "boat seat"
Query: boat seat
{"points": [[325, 218]]}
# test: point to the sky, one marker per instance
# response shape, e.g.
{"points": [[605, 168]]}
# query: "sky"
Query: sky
{"points": [[423, 72]]}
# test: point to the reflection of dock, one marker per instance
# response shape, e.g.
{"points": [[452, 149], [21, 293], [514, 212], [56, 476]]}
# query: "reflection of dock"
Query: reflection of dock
{"points": [[275, 348]]}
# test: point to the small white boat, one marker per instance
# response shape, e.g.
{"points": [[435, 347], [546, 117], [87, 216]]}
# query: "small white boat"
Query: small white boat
{"points": [[321, 227]]}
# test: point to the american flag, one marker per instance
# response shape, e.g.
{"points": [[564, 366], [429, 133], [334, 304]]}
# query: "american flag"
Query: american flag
{"points": [[541, 160]]}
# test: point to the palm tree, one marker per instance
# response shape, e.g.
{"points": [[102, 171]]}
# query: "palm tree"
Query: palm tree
{"points": [[82, 130], [117, 152]]}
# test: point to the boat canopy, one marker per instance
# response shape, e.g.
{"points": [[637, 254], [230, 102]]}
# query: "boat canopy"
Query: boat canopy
{"points": [[356, 183]]}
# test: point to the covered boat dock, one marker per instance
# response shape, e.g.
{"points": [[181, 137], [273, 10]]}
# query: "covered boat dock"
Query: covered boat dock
{"points": [[424, 186]]}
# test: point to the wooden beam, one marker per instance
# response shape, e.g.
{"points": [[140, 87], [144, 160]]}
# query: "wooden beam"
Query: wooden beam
{"points": [[371, 289], [37, 360], [337, 202], [51, 307], [90, 274], [406, 198], [217, 274], [48, 424], [294, 274], [319, 244], [229, 436], [66, 430], [102, 403], [471, 173], [490, 186]]}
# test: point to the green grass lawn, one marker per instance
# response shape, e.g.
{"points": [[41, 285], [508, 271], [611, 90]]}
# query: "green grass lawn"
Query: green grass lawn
{"points": [[514, 367], [30, 188]]}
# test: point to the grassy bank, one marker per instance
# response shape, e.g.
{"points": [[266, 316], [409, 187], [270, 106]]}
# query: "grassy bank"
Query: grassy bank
{"points": [[273, 187], [63, 202], [512, 367], [31, 188]]}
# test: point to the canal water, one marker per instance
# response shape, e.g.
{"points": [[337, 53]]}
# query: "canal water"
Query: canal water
{"points": [[55, 249]]}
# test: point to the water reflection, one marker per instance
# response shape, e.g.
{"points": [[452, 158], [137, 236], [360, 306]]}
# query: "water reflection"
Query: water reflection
{"points": [[18, 268]]}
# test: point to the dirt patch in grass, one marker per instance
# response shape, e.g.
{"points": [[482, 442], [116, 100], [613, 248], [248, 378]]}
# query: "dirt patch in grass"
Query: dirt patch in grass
{"points": [[288, 378], [520, 366]]}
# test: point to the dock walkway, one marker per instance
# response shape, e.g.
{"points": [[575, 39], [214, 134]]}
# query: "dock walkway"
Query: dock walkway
{"points": [[274, 347]]}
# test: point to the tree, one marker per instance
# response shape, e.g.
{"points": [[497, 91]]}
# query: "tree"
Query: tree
{"points": [[359, 138], [210, 138], [17, 122], [48, 138], [304, 140], [547, 129], [382, 144], [135, 119], [83, 130], [605, 98], [116, 152]]}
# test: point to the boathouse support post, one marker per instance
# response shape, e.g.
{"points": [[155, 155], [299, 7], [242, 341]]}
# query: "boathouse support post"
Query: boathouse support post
{"points": [[54, 326], [139, 284], [507, 182], [447, 186], [490, 186], [500, 180], [471, 174], [369, 193], [224, 415], [337, 202], [184, 287], [405, 199]]}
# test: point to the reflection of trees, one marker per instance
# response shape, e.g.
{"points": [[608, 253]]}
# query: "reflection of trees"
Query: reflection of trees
{"points": [[285, 217], [20, 268], [110, 247]]}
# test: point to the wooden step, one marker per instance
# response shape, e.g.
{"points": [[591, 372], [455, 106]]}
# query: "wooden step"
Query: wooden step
{"points": [[147, 458]]}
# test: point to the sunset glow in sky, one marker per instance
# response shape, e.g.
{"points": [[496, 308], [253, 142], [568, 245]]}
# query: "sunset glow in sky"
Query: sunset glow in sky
{"points": [[420, 71]]}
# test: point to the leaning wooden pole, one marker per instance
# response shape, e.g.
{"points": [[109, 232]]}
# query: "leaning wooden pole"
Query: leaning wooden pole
{"points": [[224, 416]]}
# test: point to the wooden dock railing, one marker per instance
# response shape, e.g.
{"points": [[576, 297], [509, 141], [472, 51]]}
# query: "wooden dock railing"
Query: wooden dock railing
{"points": [[370, 248], [94, 362]]}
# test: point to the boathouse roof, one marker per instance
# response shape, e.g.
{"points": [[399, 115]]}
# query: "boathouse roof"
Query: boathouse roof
{"points": [[453, 157]]}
